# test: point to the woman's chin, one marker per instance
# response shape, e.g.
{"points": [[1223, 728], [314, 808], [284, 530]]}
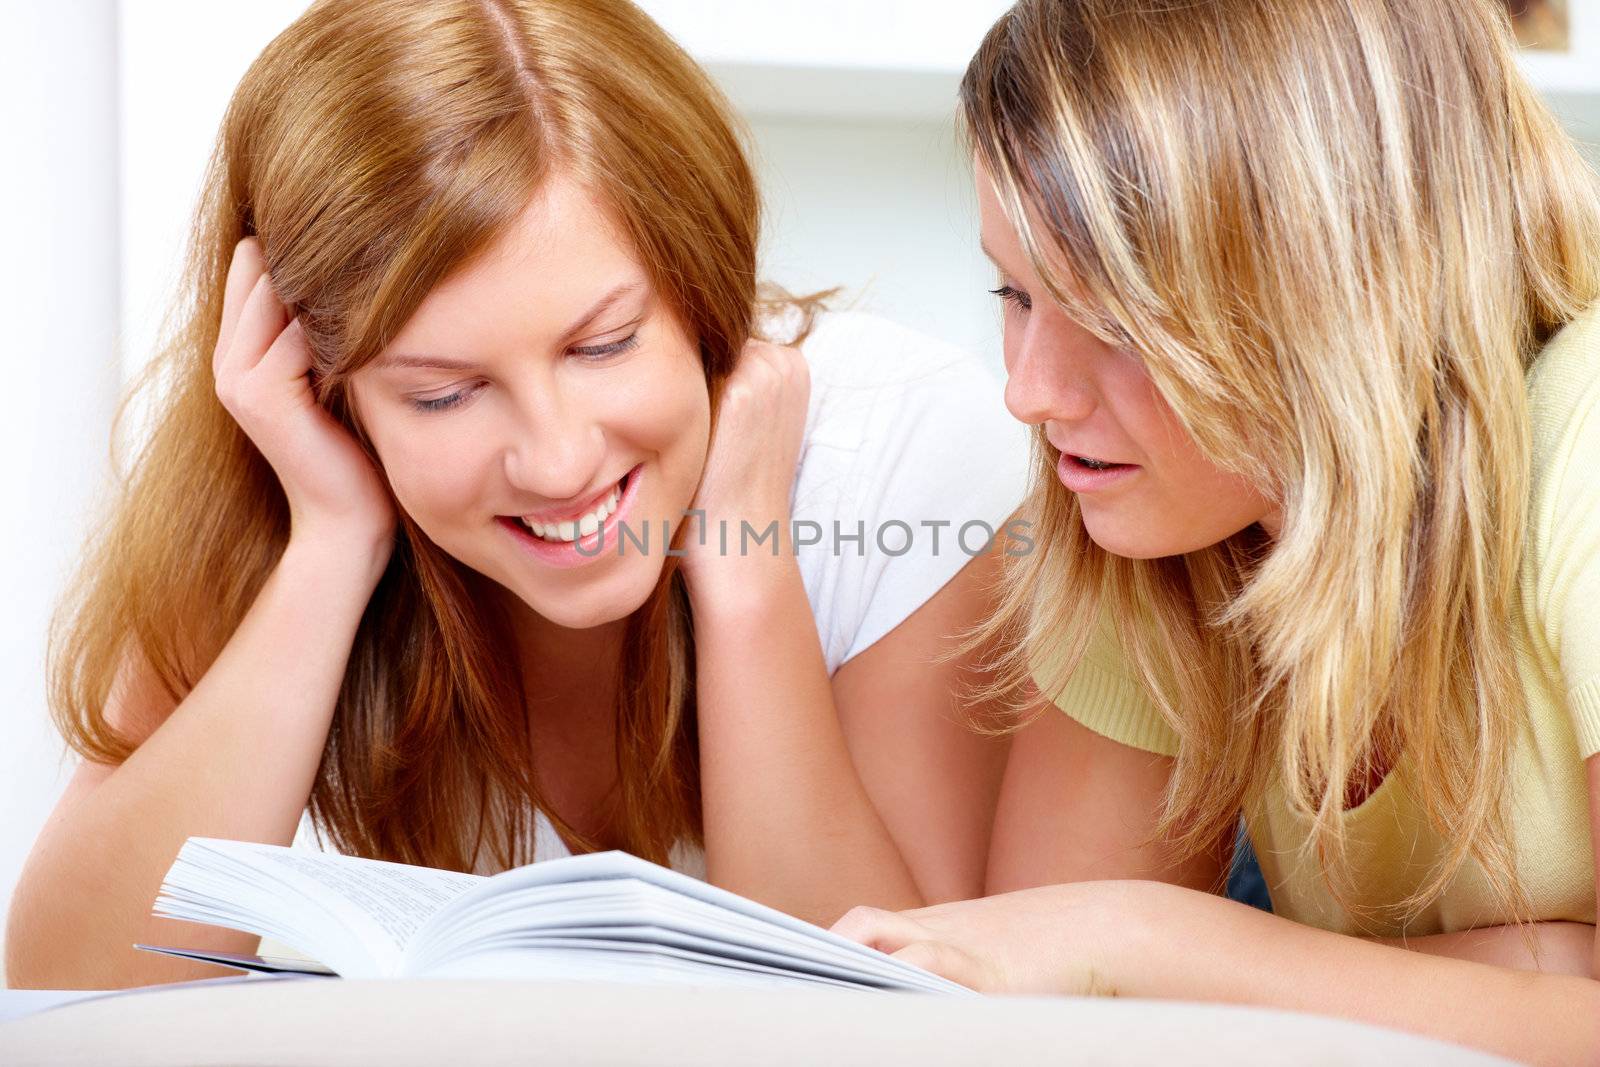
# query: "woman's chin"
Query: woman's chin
{"points": [[602, 603], [1129, 540], [1152, 539]]}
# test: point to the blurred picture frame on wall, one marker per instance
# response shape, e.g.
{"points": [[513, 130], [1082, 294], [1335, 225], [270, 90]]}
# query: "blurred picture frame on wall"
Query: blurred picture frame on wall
{"points": [[1541, 25]]}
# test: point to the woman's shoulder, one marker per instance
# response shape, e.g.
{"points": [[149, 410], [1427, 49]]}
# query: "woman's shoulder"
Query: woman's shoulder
{"points": [[1563, 388], [1563, 385], [909, 465], [874, 379], [890, 401], [850, 347], [1561, 578]]}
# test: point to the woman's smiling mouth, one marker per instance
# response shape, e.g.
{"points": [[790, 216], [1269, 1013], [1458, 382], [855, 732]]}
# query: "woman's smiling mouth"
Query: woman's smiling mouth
{"points": [[584, 525], [580, 537]]}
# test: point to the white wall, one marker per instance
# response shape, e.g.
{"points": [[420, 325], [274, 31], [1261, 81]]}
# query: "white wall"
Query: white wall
{"points": [[58, 277], [885, 209]]}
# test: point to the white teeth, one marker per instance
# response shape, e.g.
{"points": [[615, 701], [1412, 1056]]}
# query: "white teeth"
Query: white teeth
{"points": [[584, 526]]}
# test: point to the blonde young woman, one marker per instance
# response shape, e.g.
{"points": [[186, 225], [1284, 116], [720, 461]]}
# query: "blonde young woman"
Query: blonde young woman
{"points": [[429, 534], [1300, 299]]}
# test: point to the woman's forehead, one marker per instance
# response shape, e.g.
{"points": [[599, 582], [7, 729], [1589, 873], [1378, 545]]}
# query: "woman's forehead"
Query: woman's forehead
{"points": [[557, 260]]}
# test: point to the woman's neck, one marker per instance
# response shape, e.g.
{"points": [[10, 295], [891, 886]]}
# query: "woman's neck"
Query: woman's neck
{"points": [[570, 677], [554, 658]]}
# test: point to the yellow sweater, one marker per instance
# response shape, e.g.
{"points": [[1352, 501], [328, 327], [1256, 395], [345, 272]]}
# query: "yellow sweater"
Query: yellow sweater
{"points": [[1557, 625]]}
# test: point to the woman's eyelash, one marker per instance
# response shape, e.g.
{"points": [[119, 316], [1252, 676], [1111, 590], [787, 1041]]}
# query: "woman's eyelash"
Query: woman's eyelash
{"points": [[601, 351], [591, 352], [1014, 296], [443, 402]]}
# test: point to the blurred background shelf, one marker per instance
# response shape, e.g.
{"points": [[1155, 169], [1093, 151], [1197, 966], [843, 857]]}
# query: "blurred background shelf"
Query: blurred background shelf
{"points": [[897, 60]]}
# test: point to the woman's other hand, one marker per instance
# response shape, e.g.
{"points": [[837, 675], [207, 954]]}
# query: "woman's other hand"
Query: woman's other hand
{"points": [[755, 451], [1048, 940]]}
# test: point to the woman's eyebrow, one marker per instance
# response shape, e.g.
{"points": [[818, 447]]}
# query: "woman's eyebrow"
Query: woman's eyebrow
{"points": [[600, 307], [990, 256], [583, 322], [395, 362]]}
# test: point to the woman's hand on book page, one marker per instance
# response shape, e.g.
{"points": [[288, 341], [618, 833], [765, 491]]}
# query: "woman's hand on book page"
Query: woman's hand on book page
{"points": [[1047, 940], [262, 367]]}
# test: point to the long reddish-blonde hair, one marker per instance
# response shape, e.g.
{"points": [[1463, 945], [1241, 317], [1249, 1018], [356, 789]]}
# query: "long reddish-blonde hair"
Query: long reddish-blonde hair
{"points": [[374, 148]]}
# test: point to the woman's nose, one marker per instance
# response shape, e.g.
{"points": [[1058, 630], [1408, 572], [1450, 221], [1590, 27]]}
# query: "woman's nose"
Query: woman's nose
{"points": [[1043, 380], [555, 450]]}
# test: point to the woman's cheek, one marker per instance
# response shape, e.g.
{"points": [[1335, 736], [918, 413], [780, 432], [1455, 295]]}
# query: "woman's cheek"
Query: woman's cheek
{"points": [[433, 480], [668, 407]]}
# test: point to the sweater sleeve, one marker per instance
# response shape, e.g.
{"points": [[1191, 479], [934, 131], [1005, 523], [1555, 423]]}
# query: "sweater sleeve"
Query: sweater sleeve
{"points": [[1104, 696], [1564, 528]]}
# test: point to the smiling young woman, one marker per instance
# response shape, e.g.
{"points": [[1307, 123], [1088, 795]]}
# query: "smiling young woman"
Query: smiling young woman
{"points": [[1302, 305], [425, 550]]}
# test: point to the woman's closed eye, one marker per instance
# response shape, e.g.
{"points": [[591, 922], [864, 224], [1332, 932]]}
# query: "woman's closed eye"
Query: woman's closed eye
{"points": [[444, 402], [595, 353], [1015, 297], [586, 353]]}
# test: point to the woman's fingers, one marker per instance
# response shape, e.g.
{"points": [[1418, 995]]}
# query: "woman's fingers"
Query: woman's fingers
{"points": [[257, 334], [908, 939], [784, 364], [288, 357], [244, 271], [261, 363], [944, 960], [886, 931], [260, 323]]}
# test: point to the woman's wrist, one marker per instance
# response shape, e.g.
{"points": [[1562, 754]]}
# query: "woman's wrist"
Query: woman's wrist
{"points": [[741, 589], [738, 572], [339, 558], [1167, 942], [1120, 925]]}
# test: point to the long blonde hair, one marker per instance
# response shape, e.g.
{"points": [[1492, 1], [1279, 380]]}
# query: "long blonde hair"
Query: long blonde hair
{"points": [[1338, 232], [374, 147]]}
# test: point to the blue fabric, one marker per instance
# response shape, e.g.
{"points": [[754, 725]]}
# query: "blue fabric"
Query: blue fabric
{"points": [[1245, 881]]}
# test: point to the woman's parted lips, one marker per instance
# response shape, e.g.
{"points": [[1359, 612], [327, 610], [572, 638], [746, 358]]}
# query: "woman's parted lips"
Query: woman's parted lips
{"points": [[1084, 453]]}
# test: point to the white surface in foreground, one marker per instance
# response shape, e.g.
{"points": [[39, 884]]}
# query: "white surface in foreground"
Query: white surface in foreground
{"points": [[400, 1022]]}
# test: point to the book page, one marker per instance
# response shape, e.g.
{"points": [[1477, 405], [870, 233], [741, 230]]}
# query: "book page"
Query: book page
{"points": [[397, 898], [618, 914], [619, 904], [290, 895]]}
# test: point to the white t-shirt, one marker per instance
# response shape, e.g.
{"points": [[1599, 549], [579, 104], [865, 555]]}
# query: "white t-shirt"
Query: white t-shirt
{"points": [[907, 441]]}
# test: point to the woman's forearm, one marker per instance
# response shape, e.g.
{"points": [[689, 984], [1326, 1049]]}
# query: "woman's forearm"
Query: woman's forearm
{"points": [[1552, 947], [1188, 945], [787, 819], [235, 759]]}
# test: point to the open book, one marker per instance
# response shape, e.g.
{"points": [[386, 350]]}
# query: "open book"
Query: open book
{"points": [[605, 916]]}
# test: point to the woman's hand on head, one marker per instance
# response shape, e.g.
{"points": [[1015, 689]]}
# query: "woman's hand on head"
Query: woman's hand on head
{"points": [[755, 451], [1048, 940], [262, 370]]}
